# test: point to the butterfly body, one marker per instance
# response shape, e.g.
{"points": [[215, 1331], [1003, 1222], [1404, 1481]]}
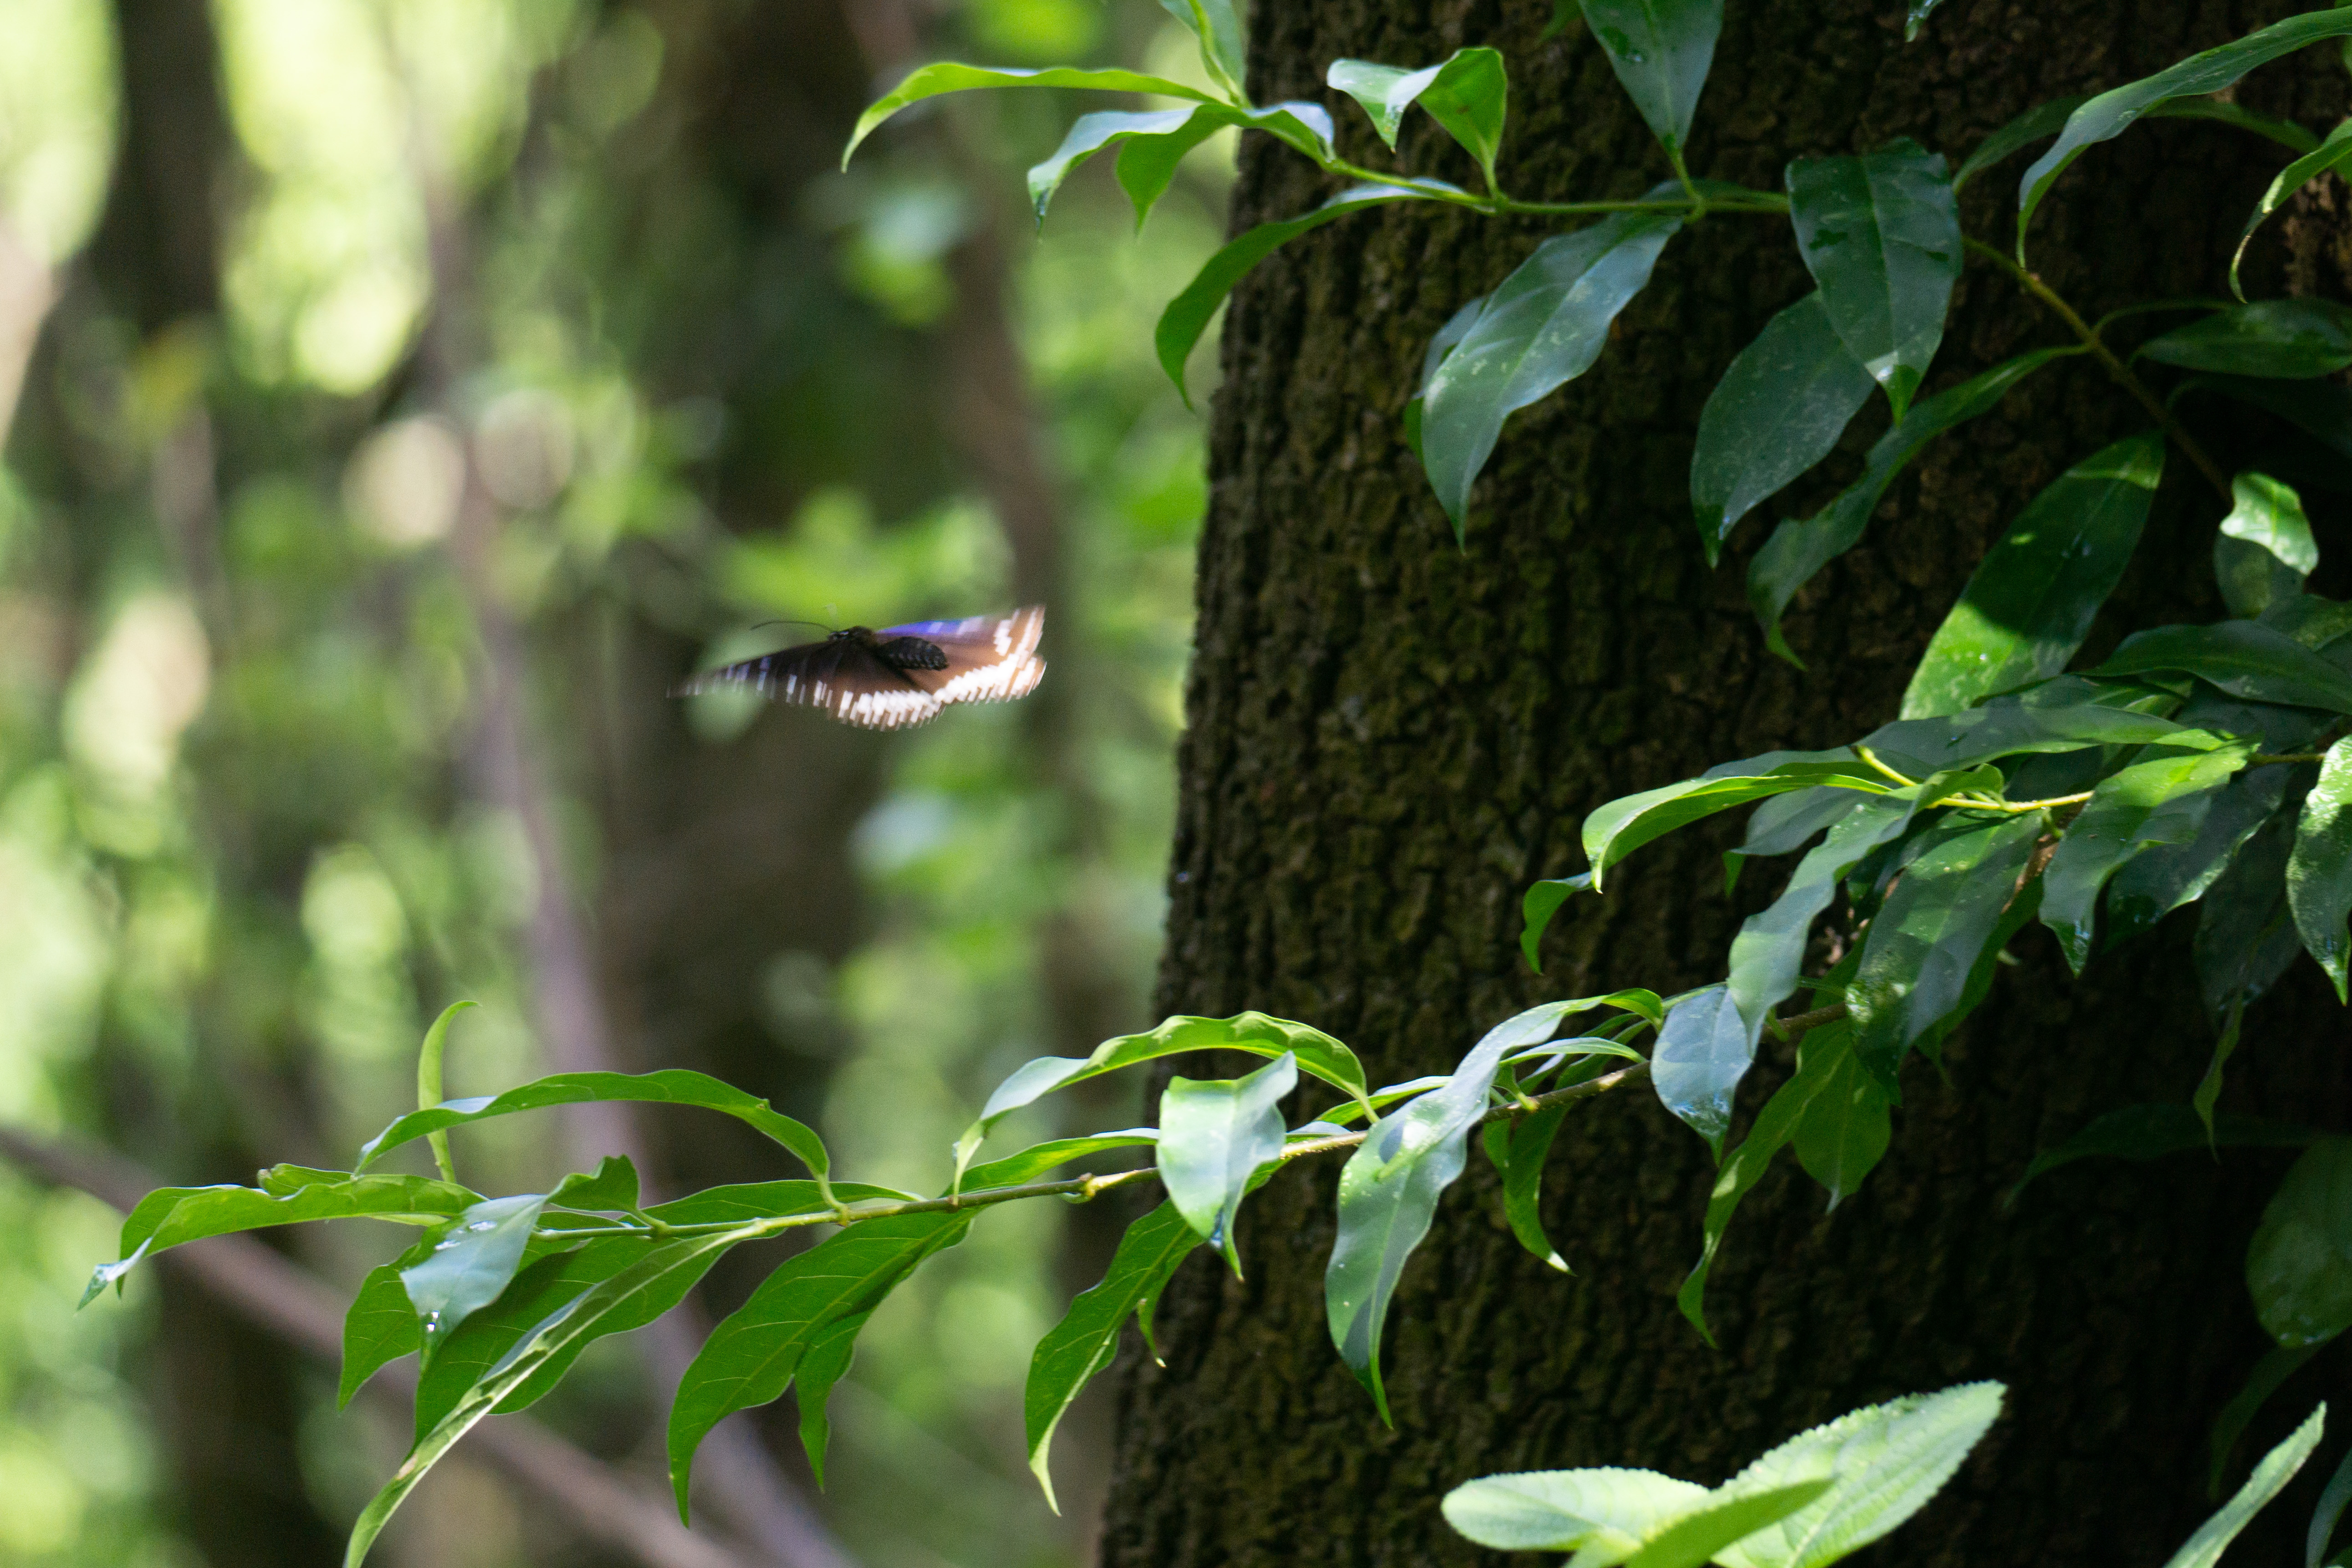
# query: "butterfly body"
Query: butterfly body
{"points": [[897, 676]]}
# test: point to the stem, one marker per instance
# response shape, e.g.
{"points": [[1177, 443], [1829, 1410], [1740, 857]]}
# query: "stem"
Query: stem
{"points": [[2264, 759], [2120, 373], [1497, 205], [1871, 759], [1681, 172]]}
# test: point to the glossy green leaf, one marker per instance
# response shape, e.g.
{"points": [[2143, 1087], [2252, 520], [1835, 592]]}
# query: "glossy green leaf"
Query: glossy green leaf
{"points": [[2245, 931], [2269, 1374], [949, 75], [1086, 1337], [2112, 113], [1798, 550], [2013, 919], [1818, 1058], [2333, 1500], [2319, 872], [1520, 1149], [469, 1264], [2244, 658], [1038, 1159], [1218, 27], [2316, 623], [2264, 550], [1622, 826], [1389, 1187], [671, 1086], [1661, 51], [2299, 1264], [2329, 156], [2224, 111], [1778, 410], [1541, 902], [2160, 802], [1918, 18], [1880, 234], [1845, 1129], [1091, 133], [428, 1083], [1725, 1517], [2281, 339], [2031, 602], [2042, 120], [2152, 1131], [1882, 1463], [822, 1364], [560, 1334], [1468, 94], [1926, 939], [2204, 1549], [380, 1326], [1703, 1052], [1214, 1136], [169, 1216], [2209, 1088], [751, 1357], [2050, 718], [1542, 327], [2156, 881], [1261, 1036], [1187, 315], [1606, 1512]]}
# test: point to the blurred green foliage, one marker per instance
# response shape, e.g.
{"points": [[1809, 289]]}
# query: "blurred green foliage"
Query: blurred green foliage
{"points": [[250, 835]]}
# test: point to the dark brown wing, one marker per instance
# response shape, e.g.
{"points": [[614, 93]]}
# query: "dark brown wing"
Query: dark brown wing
{"points": [[845, 680], [990, 658]]}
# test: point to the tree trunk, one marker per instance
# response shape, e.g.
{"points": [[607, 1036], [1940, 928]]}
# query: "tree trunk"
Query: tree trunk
{"points": [[1389, 738]]}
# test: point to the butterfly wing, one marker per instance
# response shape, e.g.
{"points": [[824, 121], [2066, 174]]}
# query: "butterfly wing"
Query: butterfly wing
{"points": [[848, 681], [990, 658]]}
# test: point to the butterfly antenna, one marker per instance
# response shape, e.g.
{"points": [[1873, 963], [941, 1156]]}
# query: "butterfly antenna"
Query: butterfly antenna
{"points": [[818, 624]]}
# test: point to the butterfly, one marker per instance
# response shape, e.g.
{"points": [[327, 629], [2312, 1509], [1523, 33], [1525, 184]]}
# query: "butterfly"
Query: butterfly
{"points": [[899, 676]]}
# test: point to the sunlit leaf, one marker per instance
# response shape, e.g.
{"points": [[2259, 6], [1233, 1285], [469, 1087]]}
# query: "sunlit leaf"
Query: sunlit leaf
{"points": [[380, 1326], [1661, 50], [2264, 550], [611, 1188], [2031, 602], [1468, 94], [2157, 881], [1778, 409], [1881, 233], [1214, 1136], [2319, 872], [1218, 27], [2204, 1549], [2112, 113], [1028, 1164], [169, 1216], [1729, 1515], [1615, 830], [1799, 550], [1520, 1149], [2244, 658], [2148, 804], [1566, 1511], [751, 1357], [2329, 156], [469, 1264], [948, 76], [2283, 339]]}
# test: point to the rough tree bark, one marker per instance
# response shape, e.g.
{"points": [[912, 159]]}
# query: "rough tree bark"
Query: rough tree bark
{"points": [[1389, 738]]}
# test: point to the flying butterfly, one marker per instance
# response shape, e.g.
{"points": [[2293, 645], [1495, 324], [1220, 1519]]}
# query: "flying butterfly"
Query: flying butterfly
{"points": [[899, 676]]}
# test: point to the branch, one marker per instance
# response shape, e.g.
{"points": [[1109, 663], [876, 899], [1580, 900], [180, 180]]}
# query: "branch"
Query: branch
{"points": [[294, 1304]]}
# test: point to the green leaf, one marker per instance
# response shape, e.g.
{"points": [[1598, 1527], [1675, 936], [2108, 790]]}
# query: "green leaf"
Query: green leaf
{"points": [[428, 1082], [1261, 1036], [2264, 550], [1468, 94], [1880, 234], [2042, 120], [2245, 931], [1187, 315], [1389, 1187], [470, 1265], [1778, 409], [671, 1086], [1093, 133], [2329, 156], [1219, 29], [2152, 802], [1518, 1150], [2332, 1503], [2054, 717], [2032, 600], [1542, 327], [948, 76], [2222, 111], [1086, 1337], [2156, 881], [751, 1357], [1818, 1060], [1882, 1464], [1542, 901], [2152, 1131], [2299, 1264], [1214, 1136], [560, 1334], [1798, 550], [822, 1364], [1703, 1052], [2269, 1373], [1035, 1161], [1661, 50], [2283, 338], [613, 1188], [1845, 1129], [1622, 826], [2209, 1088], [169, 1217], [380, 1326], [2112, 113], [1920, 11], [2013, 919], [2244, 658], [1725, 1517], [1926, 939], [1569, 1510], [2204, 1549], [2319, 872]]}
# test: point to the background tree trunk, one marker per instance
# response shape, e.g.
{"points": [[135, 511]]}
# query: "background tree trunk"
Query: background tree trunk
{"points": [[1390, 739]]}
